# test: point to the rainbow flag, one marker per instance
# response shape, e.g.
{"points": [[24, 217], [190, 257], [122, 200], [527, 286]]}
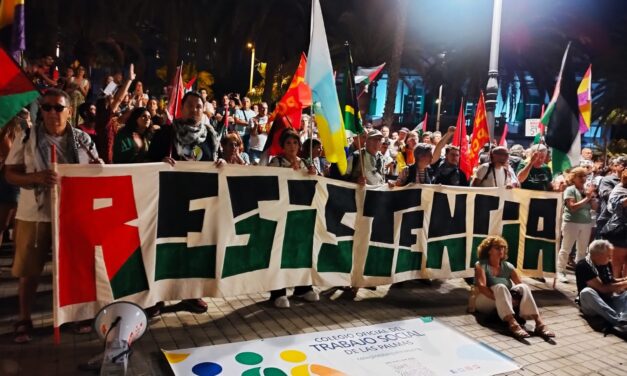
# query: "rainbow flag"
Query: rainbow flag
{"points": [[584, 97], [16, 90], [326, 105]]}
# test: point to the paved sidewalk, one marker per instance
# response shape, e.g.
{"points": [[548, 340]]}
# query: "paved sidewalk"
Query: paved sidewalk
{"points": [[577, 350]]}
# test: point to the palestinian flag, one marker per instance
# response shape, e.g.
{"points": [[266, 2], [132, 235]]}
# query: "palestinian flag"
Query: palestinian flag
{"points": [[561, 120], [348, 99], [364, 76], [16, 90]]}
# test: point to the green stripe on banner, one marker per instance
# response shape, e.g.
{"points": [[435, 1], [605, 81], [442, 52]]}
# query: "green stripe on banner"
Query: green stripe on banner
{"points": [[176, 260], [474, 257], [408, 261], [379, 261], [456, 248], [298, 240], [336, 258], [131, 277], [256, 254], [10, 105], [532, 253], [511, 234]]}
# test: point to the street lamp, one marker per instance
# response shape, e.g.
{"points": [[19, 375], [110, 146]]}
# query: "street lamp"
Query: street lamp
{"points": [[252, 65], [492, 88]]}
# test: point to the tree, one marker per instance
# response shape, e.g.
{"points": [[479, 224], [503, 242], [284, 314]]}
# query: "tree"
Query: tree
{"points": [[394, 64]]}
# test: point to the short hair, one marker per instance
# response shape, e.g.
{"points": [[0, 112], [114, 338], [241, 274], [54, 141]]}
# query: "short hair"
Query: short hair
{"points": [[449, 147], [287, 134], [231, 137], [436, 133], [483, 250], [540, 148], [313, 141], [55, 93], [599, 246], [422, 149], [575, 172], [620, 160], [83, 109], [192, 94]]}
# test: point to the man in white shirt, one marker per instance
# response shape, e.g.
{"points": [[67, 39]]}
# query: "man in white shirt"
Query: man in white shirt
{"points": [[497, 172], [258, 133], [28, 166], [243, 121]]}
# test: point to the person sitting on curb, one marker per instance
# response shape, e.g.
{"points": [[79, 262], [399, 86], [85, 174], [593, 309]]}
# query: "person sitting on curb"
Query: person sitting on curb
{"points": [[600, 294], [493, 280]]}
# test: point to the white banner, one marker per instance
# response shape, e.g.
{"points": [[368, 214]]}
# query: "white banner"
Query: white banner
{"points": [[418, 347], [151, 232]]}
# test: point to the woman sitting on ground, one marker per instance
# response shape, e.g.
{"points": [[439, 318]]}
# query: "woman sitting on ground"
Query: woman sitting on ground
{"points": [[493, 280]]}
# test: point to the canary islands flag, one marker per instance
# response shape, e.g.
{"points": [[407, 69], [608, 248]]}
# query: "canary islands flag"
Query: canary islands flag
{"points": [[326, 106]]}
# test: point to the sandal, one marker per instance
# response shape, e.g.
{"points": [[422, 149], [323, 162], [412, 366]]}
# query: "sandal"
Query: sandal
{"points": [[517, 331], [543, 331], [22, 331]]}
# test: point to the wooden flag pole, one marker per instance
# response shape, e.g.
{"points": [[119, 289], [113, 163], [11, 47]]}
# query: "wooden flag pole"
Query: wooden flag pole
{"points": [[54, 216]]}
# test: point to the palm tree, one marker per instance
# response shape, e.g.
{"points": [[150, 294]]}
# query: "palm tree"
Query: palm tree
{"points": [[395, 62]]}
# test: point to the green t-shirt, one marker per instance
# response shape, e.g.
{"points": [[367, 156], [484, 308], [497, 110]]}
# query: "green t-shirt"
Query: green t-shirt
{"points": [[504, 277], [539, 179], [581, 215]]}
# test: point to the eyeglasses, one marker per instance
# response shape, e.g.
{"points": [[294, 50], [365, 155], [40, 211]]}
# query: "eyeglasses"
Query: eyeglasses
{"points": [[48, 107]]}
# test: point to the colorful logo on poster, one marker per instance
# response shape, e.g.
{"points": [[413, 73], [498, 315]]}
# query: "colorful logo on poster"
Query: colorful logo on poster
{"points": [[254, 360]]}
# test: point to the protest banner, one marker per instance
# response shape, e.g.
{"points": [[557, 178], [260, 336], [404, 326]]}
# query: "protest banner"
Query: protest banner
{"points": [[152, 232]]}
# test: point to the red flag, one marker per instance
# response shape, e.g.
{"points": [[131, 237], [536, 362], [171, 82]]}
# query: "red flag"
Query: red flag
{"points": [[480, 135], [290, 108], [503, 141], [176, 95], [460, 140], [424, 123]]}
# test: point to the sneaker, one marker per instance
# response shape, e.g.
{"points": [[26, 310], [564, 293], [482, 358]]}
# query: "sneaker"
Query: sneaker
{"points": [[281, 302], [309, 296], [194, 305], [562, 277]]}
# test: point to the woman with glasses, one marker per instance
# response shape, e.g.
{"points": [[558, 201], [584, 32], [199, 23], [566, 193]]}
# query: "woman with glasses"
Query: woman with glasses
{"points": [[498, 286], [579, 200], [131, 142]]}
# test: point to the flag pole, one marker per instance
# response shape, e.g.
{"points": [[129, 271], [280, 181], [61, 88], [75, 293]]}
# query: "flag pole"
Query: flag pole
{"points": [[437, 120], [54, 216], [351, 78]]}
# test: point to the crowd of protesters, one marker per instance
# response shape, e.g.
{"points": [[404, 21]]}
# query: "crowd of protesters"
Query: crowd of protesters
{"points": [[125, 125]]}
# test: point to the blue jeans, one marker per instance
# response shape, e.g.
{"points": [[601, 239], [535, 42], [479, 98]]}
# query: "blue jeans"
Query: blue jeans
{"points": [[592, 304]]}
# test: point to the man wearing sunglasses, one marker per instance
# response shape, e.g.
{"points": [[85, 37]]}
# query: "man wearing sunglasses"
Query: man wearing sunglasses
{"points": [[28, 166]]}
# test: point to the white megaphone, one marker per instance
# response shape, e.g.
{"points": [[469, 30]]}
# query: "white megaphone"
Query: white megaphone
{"points": [[119, 324]]}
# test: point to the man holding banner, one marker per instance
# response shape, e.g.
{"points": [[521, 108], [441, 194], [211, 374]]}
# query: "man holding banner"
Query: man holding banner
{"points": [[28, 165]]}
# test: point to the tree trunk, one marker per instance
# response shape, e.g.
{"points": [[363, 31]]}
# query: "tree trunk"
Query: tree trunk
{"points": [[394, 65]]}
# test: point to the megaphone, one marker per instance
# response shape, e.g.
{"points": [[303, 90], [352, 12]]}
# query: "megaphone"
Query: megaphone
{"points": [[119, 324]]}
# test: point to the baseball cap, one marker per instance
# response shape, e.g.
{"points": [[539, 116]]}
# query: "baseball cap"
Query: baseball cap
{"points": [[374, 133]]}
